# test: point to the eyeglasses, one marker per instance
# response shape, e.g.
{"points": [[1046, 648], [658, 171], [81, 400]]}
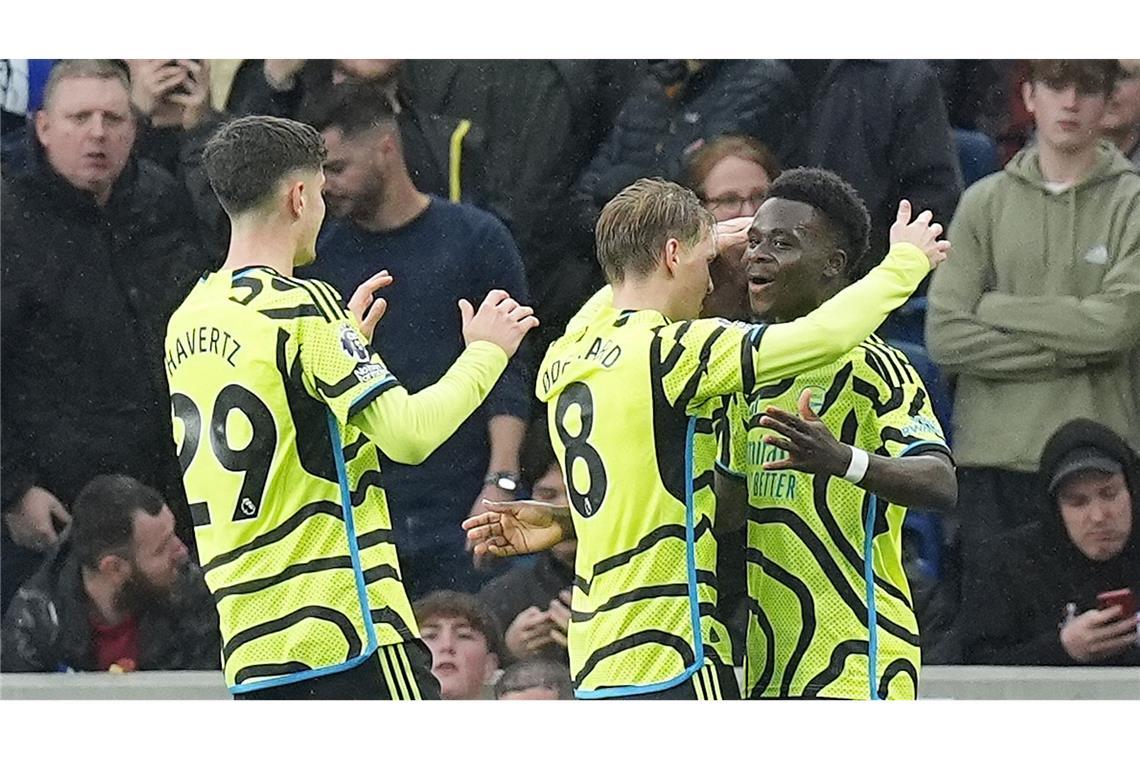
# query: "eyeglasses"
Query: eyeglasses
{"points": [[734, 203]]}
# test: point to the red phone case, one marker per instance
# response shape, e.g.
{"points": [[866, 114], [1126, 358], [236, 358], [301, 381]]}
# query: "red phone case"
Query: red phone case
{"points": [[1123, 598]]}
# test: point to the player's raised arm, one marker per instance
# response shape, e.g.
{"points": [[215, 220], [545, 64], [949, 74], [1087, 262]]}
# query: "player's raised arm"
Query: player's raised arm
{"points": [[850, 316], [409, 427], [341, 370]]}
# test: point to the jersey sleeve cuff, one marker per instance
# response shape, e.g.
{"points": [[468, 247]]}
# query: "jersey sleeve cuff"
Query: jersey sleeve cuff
{"points": [[926, 447], [371, 394]]}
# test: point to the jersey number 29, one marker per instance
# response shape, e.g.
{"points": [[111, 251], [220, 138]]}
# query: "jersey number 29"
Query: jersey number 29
{"points": [[254, 459]]}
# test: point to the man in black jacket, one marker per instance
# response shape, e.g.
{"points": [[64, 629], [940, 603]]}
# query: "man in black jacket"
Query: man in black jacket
{"points": [[119, 594], [99, 249], [882, 126], [1038, 605]]}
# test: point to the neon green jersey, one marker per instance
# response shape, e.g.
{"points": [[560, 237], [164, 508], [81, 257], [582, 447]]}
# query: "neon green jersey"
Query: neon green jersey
{"points": [[273, 390], [817, 627], [631, 400]]}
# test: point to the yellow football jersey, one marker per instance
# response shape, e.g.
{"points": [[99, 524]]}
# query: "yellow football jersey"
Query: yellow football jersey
{"points": [[291, 522], [830, 610]]}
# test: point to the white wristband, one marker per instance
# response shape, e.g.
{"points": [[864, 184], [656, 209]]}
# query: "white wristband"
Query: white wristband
{"points": [[858, 467]]}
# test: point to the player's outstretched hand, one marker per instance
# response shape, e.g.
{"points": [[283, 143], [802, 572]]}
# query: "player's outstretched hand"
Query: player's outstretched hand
{"points": [[921, 233], [500, 320], [365, 306], [510, 528], [810, 445]]}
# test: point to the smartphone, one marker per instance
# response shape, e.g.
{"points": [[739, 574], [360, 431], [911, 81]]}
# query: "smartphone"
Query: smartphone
{"points": [[1122, 598]]}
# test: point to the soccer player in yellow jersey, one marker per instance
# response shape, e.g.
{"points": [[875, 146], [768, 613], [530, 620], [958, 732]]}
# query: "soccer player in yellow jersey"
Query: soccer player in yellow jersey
{"points": [[633, 391], [830, 612], [280, 412]]}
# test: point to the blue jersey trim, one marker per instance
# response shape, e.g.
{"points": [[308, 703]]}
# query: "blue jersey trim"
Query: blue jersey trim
{"points": [[869, 579], [375, 390], [694, 603], [936, 445], [350, 529], [304, 675], [629, 691], [691, 546]]}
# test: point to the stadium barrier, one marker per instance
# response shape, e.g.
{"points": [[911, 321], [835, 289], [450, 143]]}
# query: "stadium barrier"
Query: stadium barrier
{"points": [[937, 682]]}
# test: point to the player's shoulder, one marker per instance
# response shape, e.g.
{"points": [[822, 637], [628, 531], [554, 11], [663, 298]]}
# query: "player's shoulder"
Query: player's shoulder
{"points": [[284, 297], [701, 334], [875, 358]]}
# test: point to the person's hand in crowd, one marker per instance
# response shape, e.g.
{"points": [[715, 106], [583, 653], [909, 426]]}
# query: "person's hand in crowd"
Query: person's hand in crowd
{"points": [[528, 633], [30, 521], [810, 446], [920, 233], [365, 306], [281, 73], [1098, 634], [152, 80], [193, 97], [732, 237], [559, 611], [500, 320], [510, 528]]}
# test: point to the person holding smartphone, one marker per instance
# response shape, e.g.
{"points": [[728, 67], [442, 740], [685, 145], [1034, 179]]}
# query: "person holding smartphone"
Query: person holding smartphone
{"points": [[1063, 590]]}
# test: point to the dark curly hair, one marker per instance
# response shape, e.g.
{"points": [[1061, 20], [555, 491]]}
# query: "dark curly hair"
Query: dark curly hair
{"points": [[837, 201]]}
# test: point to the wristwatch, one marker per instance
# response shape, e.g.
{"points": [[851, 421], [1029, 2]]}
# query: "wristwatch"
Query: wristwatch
{"points": [[506, 480]]}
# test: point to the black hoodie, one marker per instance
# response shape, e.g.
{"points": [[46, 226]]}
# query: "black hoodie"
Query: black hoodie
{"points": [[1013, 615]]}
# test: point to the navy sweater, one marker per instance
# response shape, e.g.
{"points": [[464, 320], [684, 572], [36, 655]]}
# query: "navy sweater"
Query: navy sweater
{"points": [[448, 252]]}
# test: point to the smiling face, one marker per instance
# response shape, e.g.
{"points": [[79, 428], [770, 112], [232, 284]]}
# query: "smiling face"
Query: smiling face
{"points": [[792, 261]]}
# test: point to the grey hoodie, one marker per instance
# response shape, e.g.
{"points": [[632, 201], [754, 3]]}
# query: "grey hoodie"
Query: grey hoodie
{"points": [[1037, 310]]}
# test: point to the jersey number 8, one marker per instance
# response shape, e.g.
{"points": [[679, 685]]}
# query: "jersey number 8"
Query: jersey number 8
{"points": [[254, 459], [588, 502]]}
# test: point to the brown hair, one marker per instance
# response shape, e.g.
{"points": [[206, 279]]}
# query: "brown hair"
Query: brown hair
{"points": [[246, 158], [635, 225], [456, 604], [85, 68], [1092, 76], [712, 153]]}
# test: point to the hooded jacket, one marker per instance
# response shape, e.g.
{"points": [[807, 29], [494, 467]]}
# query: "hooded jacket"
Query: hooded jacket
{"points": [[1037, 310], [1013, 615]]}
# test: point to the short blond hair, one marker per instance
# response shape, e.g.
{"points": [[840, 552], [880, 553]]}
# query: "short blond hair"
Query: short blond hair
{"points": [[635, 225], [85, 68]]}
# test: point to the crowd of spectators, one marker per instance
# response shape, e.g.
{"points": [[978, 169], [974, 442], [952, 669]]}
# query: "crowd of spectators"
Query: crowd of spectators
{"points": [[463, 176]]}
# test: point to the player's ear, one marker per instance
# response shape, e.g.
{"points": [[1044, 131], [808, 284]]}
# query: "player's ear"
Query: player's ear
{"points": [[296, 198], [671, 255], [836, 263]]}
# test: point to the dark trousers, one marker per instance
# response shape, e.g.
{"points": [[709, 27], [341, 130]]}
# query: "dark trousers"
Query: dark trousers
{"points": [[990, 502], [389, 674]]}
